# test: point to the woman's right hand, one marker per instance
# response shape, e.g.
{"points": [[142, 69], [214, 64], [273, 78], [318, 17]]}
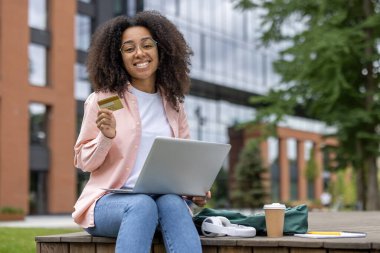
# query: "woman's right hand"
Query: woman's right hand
{"points": [[106, 123], [202, 201]]}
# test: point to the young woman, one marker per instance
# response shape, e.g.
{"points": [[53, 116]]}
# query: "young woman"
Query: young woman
{"points": [[145, 61]]}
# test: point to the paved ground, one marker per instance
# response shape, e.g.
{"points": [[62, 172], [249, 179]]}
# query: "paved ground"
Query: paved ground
{"points": [[43, 221]]}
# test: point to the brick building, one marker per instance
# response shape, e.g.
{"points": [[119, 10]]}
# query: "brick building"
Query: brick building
{"points": [[53, 172]]}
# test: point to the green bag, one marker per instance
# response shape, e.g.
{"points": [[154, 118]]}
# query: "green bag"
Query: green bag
{"points": [[295, 219]]}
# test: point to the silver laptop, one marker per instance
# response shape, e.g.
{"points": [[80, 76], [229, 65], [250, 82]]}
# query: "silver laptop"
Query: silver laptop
{"points": [[179, 166]]}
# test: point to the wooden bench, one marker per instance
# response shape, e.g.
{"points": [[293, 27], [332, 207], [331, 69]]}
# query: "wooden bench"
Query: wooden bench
{"points": [[369, 222]]}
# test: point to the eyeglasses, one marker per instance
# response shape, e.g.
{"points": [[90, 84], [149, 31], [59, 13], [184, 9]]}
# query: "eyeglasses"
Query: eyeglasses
{"points": [[145, 45]]}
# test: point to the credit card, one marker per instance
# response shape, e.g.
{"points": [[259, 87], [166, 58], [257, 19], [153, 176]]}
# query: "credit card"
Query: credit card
{"points": [[112, 103]]}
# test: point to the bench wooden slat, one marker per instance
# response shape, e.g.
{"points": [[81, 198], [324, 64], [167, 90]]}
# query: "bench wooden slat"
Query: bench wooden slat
{"points": [[271, 250], [158, 248], [345, 251], [307, 250], [105, 248], [103, 239], [221, 241], [336, 244], [257, 242], [77, 237], [54, 247], [82, 248], [376, 245], [235, 249], [312, 243], [210, 249]]}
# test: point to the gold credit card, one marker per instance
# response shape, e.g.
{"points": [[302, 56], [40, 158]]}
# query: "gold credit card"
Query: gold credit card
{"points": [[112, 103]]}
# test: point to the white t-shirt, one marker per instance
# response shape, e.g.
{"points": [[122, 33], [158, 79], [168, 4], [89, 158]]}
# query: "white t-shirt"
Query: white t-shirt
{"points": [[153, 123]]}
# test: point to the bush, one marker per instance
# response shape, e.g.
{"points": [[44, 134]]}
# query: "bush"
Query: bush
{"points": [[249, 191], [11, 210]]}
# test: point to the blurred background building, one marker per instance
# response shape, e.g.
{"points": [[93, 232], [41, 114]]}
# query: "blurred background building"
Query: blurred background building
{"points": [[43, 85]]}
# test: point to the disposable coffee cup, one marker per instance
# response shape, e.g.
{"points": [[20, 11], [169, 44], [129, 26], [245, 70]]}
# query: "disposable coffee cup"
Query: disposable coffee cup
{"points": [[274, 219]]}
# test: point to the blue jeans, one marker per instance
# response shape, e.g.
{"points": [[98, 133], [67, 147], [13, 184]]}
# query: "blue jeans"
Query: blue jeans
{"points": [[133, 219]]}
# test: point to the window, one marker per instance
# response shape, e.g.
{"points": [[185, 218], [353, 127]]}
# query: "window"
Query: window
{"points": [[274, 167], [38, 123], [83, 32], [194, 40], [82, 85], [131, 8], [171, 7], [309, 154], [39, 160], [293, 167], [37, 64], [37, 14]]}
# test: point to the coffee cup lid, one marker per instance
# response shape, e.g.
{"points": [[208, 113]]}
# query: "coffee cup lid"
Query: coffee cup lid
{"points": [[274, 206]]}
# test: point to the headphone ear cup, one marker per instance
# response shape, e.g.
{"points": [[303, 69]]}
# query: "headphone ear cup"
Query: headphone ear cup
{"points": [[240, 231], [212, 227]]}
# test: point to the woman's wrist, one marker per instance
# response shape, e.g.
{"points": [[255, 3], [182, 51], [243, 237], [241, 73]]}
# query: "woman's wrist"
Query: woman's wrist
{"points": [[109, 136]]}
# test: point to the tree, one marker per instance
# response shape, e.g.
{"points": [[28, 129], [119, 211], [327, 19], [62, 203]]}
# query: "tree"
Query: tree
{"points": [[249, 191], [219, 190], [311, 168], [330, 70]]}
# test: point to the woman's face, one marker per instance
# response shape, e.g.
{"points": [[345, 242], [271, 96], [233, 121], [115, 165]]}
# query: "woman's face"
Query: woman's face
{"points": [[140, 55]]}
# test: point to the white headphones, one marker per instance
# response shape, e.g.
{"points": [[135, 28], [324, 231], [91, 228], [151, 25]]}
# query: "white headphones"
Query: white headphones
{"points": [[221, 226]]}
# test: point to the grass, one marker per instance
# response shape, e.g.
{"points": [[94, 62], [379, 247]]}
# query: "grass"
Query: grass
{"points": [[21, 240]]}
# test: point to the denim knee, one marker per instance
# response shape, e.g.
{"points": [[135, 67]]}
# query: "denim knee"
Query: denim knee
{"points": [[171, 200], [145, 206]]}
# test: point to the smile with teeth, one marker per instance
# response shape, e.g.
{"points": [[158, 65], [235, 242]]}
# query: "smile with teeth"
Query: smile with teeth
{"points": [[142, 64]]}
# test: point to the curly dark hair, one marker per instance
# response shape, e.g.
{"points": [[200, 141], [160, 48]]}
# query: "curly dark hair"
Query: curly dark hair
{"points": [[105, 64]]}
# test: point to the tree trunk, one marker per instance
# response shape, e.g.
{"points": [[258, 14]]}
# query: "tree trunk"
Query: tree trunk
{"points": [[361, 176], [373, 201], [360, 179], [372, 193]]}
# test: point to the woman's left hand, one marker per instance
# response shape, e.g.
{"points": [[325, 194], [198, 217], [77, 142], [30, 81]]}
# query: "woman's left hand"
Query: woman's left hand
{"points": [[202, 201]]}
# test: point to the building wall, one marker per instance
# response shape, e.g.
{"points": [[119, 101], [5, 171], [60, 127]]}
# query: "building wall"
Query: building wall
{"points": [[62, 178], [14, 104], [16, 93]]}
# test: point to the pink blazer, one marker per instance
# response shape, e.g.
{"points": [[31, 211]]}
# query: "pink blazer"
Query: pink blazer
{"points": [[110, 160]]}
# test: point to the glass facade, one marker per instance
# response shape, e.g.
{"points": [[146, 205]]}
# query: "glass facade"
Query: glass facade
{"points": [[224, 43], [209, 119], [225, 53]]}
